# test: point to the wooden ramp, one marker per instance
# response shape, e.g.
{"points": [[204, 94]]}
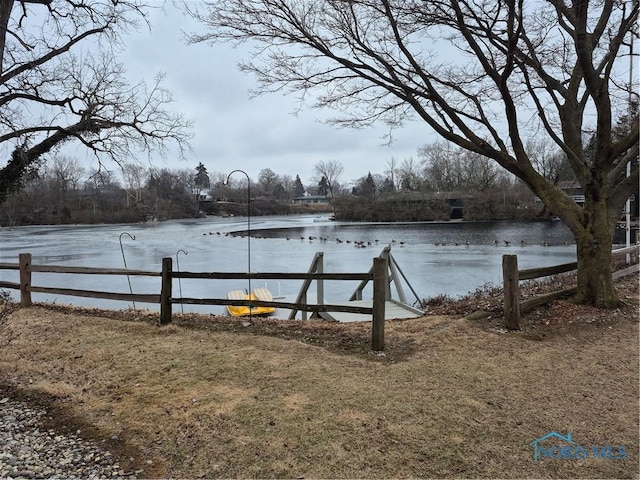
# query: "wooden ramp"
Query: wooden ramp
{"points": [[392, 309]]}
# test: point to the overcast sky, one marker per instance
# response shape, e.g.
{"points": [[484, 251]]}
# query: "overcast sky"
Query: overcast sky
{"points": [[233, 130]]}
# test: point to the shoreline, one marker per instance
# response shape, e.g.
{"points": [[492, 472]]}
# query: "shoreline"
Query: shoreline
{"points": [[301, 214]]}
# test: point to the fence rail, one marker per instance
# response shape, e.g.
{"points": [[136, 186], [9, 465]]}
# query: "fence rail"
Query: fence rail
{"points": [[378, 275], [514, 307]]}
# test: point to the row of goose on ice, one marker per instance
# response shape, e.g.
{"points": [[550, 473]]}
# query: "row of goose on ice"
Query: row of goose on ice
{"points": [[366, 243]]}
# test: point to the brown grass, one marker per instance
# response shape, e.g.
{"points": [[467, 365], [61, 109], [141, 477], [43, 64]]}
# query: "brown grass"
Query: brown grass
{"points": [[452, 397]]}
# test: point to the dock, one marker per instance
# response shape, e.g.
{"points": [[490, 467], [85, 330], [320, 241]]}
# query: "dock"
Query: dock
{"points": [[394, 309]]}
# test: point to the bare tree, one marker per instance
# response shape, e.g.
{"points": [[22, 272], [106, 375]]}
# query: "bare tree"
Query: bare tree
{"points": [[288, 184], [267, 180], [479, 173], [217, 180], [409, 176], [133, 175], [442, 166], [391, 172], [331, 171], [52, 94], [67, 173], [449, 168], [495, 72], [549, 160]]}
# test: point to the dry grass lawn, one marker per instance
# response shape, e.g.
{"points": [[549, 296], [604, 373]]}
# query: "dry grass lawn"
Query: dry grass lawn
{"points": [[453, 397]]}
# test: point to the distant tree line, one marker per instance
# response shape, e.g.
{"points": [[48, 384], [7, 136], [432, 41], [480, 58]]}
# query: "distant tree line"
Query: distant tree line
{"points": [[62, 191], [444, 183], [449, 182]]}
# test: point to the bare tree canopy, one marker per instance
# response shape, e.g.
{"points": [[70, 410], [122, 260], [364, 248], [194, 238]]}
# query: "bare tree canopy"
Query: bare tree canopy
{"points": [[53, 91], [330, 170], [482, 74]]}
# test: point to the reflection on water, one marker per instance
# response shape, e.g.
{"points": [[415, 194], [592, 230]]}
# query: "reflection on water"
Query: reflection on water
{"points": [[451, 258]]}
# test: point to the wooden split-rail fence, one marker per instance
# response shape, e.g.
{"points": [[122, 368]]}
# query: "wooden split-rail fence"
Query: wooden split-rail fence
{"points": [[514, 306], [378, 275]]}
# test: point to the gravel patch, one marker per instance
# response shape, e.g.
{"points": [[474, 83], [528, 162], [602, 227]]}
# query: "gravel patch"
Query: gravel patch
{"points": [[29, 451]]}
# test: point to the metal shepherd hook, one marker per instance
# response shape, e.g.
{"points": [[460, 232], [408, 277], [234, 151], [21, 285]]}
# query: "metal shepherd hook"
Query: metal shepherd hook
{"points": [[226, 182], [132, 237], [179, 279]]}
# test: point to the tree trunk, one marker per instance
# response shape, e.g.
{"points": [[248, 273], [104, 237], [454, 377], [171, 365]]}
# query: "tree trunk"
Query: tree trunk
{"points": [[595, 281]]}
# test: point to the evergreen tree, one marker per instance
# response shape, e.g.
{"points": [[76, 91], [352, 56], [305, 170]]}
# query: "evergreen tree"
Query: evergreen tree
{"points": [[366, 187], [298, 188], [323, 186], [387, 186], [201, 180], [369, 187]]}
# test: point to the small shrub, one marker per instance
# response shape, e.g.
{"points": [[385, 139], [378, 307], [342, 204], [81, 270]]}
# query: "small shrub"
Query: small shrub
{"points": [[486, 291], [488, 297], [437, 301]]}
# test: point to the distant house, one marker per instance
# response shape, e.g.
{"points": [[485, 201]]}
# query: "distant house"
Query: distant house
{"points": [[573, 189], [309, 199]]}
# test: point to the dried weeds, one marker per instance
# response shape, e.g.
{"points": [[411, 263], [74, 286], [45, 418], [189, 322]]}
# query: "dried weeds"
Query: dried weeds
{"points": [[217, 397]]}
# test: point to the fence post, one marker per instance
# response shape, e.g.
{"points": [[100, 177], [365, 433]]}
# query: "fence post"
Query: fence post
{"points": [[379, 294], [25, 279], [165, 292], [320, 282], [511, 292]]}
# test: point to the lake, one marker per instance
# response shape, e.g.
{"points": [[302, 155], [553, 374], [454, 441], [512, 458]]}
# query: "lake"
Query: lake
{"points": [[451, 258]]}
